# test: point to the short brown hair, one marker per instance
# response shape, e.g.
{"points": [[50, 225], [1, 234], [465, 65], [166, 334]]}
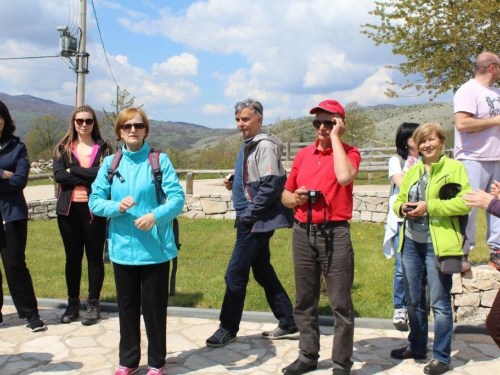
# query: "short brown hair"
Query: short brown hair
{"points": [[126, 115], [427, 129]]}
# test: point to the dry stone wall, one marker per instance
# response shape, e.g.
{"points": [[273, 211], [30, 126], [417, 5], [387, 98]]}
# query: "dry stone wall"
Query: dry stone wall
{"points": [[474, 292]]}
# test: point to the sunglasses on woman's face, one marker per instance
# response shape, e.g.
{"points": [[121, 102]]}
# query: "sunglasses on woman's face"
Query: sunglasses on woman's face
{"points": [[138, 126], [88, 121], [329, 124]]}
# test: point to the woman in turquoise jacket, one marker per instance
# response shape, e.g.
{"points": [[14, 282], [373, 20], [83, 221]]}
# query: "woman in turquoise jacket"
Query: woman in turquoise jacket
{"points": [[431, 228], [140, 239]]}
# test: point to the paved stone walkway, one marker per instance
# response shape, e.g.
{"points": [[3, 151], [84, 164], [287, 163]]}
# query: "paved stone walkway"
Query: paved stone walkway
{"points": [[75, 349]]}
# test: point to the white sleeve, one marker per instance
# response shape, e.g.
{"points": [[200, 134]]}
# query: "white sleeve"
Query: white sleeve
{"points": [[394, 166]]}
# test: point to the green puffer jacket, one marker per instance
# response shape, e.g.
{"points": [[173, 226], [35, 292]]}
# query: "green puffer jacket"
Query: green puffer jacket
{"points": [[443, 214]]}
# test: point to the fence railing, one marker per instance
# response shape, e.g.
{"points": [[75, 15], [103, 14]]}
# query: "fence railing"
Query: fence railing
{"points": [[373, 159]]}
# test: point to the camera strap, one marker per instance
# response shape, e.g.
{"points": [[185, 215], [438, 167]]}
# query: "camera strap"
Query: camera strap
{"points": [[308, 225]]}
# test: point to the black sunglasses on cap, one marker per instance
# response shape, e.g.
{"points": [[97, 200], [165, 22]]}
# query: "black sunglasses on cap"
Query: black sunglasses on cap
{"points": [[88, 121], [329, 124], [138, 126]]}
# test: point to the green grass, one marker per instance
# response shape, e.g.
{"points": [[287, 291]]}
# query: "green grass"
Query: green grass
{"points": [[206, 248], [45, 181]]}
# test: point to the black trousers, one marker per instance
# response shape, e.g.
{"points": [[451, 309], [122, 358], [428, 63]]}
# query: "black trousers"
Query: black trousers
{"points": [[79, 230], [337, 265], [13, 247], [252, 251], [145, 286]]}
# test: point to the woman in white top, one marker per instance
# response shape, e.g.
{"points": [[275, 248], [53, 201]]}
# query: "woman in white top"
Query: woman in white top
{"points": [[398, 165]]}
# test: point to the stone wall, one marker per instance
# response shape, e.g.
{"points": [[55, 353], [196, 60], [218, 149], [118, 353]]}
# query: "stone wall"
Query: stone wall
{"points": [[42, 209], [474, 292], [369, 206]]}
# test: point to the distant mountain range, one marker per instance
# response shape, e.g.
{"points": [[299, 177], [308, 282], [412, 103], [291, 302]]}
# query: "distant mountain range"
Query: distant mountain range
{"points": [[164, 134], [186, 136]]}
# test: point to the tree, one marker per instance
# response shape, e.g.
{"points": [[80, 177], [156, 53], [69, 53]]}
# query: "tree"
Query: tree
{"points": [[123, 100], [439, 39], [359, 130], [45, 132]]}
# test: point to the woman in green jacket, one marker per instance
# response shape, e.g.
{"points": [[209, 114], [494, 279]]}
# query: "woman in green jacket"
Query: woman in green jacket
{"points": [[431, 229]]}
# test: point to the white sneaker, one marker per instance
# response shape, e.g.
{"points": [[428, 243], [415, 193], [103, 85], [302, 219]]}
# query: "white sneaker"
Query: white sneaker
{"points": [[400, 319]]}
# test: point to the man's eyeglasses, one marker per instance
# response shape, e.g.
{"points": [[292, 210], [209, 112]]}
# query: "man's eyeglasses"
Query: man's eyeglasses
{"points": [[88, 121], [329, 124], [247, 104], [138, 126]]}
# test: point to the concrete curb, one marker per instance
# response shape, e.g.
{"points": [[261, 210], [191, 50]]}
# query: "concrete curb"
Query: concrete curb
{"points": [[261, 317]]}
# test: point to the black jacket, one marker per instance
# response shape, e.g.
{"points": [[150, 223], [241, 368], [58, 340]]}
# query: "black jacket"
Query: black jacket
{"points": [[14, 158], [78, 176]]}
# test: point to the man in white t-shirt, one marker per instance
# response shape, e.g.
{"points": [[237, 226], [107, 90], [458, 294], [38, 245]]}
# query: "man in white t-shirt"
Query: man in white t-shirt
{"points": [[477, 140]]}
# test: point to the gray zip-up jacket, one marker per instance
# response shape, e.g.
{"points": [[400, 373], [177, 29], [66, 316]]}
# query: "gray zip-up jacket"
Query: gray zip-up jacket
{"points": [[263, 181]]}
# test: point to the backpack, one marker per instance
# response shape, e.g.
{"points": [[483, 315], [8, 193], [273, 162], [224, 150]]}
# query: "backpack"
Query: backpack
{"points": [[154, 160]]}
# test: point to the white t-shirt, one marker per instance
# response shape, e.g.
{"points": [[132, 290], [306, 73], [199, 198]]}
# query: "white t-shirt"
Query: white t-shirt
{"points": [[482, 102], [391, 228], [395, 168]]}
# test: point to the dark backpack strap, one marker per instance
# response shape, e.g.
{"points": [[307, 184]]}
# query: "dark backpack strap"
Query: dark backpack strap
{"points": [[114, 164], [154, 160]]}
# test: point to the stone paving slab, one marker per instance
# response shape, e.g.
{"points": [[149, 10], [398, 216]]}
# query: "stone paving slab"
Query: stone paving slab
{"points": [[75, 349]]}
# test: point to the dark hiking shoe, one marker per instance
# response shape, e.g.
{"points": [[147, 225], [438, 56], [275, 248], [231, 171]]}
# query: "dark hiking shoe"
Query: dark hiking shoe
{"points": [[436, 367], [92, 314], [495, 260], [1, 319], [281, 333], [220, 338], [72, 311], [35, 323], [299, 367], [405, 353]]}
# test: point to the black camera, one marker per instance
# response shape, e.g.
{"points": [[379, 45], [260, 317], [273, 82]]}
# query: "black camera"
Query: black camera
{"points": [[230, 177], [314, 195]]}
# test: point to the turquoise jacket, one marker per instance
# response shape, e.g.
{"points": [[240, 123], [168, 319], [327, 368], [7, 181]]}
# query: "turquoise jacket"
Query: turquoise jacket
{"points": [[129, 245], [444, 226]]}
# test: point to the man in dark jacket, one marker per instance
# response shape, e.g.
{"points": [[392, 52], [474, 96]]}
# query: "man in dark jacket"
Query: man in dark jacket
{"points": [[257, 184]]}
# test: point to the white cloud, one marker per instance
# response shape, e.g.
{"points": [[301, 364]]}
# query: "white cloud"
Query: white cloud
{"points": [[289, 54], [214, 109], [184, 64], [294, 49]]}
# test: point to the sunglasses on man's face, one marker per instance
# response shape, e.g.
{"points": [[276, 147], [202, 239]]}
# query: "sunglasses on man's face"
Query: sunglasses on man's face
{"points": [[88, 121], [329, 124], [138, 126]]}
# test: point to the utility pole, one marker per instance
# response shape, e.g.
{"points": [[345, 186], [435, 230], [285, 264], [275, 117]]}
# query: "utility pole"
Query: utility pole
{"points": [[82, 57]]}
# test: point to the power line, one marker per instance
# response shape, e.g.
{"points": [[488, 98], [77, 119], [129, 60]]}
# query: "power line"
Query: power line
{"points": [[27, 57], [102, 42]]}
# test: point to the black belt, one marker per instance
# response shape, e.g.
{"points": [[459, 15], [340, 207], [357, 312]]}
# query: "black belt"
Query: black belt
{"points": [[318, 227]]}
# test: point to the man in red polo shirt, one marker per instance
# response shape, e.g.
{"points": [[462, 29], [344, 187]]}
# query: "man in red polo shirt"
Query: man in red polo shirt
{"points": [[320, 189]]}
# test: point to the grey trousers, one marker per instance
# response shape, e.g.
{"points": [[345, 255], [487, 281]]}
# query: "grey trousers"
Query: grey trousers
{"points": [[337, 265], [481, 176]]}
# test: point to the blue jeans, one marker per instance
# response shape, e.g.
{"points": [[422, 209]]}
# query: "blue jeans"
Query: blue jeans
{"points": [[398, 283], [252, 251], [419, 265]]}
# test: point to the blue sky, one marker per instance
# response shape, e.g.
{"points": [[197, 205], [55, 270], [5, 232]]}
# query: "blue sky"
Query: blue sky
{"points": [[192, 60]]}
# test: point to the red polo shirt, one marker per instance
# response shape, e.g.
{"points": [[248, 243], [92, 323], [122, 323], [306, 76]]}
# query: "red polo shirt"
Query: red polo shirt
{"points": [[313, 169]]}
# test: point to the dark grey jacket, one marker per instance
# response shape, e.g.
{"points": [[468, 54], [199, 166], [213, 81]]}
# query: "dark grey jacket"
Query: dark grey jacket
{"points": [[263, 181]]}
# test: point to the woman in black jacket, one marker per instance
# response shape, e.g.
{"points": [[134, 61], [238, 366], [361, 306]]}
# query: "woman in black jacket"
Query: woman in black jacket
{"points": [[77, 158], [14, 170]]}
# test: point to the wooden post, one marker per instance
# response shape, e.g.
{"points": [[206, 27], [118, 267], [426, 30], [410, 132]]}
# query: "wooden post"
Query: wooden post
{"points": [[189, 182], [288, 158]]}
